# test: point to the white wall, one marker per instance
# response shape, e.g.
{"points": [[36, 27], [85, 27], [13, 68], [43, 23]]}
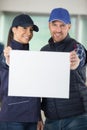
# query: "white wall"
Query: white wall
{"points": [[44, 6]]}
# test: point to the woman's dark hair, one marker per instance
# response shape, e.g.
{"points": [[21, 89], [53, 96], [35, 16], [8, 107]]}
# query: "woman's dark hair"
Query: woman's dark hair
{"points": [[10, 37]]}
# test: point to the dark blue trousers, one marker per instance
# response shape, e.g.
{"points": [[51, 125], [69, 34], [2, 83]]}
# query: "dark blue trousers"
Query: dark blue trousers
{"points": [[17, 126], [73, 123]]}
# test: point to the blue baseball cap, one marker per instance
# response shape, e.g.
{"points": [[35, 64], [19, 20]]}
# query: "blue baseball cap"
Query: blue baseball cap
{"points": [[60, 14], [24, 20]]}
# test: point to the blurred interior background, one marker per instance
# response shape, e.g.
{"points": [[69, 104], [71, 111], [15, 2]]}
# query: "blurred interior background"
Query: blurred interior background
{"points": [[39, 10]]}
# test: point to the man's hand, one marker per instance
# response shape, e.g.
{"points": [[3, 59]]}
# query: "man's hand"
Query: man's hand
{"points": [[74, 60]]}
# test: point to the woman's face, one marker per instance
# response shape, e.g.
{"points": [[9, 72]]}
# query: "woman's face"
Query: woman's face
{"points": [[22, 34]]}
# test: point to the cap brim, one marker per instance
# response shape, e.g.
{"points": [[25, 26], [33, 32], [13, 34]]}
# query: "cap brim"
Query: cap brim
{"points": [[58, 20], [35, 27]]}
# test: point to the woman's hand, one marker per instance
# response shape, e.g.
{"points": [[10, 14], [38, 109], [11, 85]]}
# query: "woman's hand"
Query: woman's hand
{"points": [[7, 54], [40, 125], [74, 60]]}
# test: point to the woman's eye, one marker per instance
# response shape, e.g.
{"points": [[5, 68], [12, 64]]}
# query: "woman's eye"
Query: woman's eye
{"points": [[24, 27]]}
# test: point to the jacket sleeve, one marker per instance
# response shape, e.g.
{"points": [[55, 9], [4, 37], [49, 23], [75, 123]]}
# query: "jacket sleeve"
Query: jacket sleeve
{"points": [[1, 70], [81, 52], [0, 86], [86, 56]]}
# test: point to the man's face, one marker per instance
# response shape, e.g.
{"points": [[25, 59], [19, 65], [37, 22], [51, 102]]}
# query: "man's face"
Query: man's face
{"points": [[58, 30]]}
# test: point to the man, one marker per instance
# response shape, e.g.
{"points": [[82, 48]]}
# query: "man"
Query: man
{"points": [[66, 114]]}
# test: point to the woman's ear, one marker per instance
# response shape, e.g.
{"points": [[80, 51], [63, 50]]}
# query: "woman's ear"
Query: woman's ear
{"points": [[14, 29]]}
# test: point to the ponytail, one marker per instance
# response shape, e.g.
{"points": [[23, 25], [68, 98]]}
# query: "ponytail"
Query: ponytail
{"points": [[10, 37]]}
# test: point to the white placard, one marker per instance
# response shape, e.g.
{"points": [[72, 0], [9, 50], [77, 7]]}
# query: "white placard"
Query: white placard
{"points": [[39, 74]]}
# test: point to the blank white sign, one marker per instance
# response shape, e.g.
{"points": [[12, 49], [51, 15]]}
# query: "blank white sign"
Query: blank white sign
{"points": [[39, 74]]}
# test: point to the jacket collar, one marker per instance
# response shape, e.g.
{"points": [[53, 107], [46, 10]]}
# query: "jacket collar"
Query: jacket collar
{"points": [[19, 46], [52, 43]]}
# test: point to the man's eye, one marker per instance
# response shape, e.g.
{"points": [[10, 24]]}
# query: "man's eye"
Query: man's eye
{"points": [[63, 25], [54, 24]]}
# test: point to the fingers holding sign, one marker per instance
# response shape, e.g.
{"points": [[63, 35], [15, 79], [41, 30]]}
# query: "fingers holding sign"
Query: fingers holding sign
{"points": [[7, 54], [74, 60]]}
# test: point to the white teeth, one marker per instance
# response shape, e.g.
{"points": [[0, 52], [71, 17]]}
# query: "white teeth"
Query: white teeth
{"points": [[57, 35], [26, 37]]}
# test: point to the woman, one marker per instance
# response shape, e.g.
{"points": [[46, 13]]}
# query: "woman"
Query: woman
{"points": [[18, 113]]}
